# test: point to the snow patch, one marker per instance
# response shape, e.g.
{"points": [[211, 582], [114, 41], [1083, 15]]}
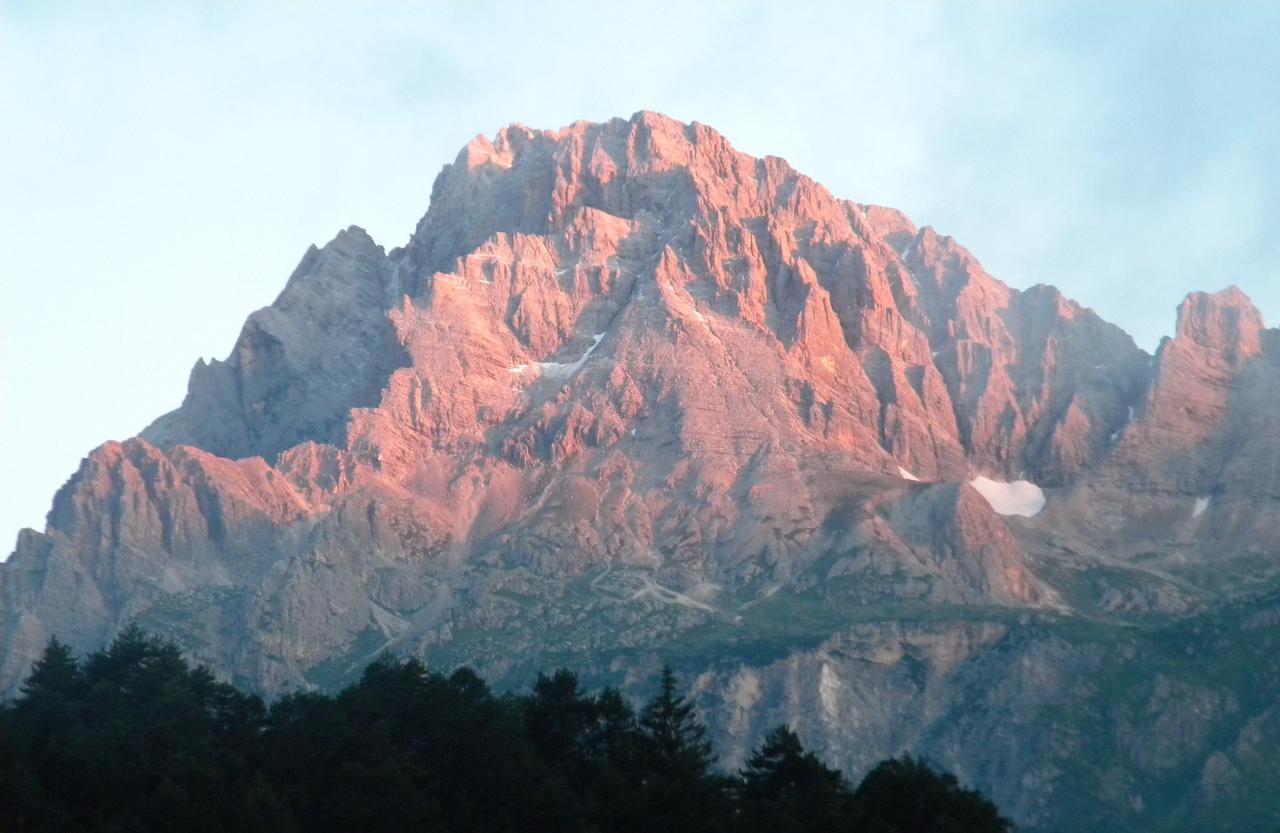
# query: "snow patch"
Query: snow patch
{"points": [[829, 691], [906, 475], [1202, 503], [559, 370], [1020, 497]]}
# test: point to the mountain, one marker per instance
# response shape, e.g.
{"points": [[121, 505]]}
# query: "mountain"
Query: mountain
{"points": [[629, 395]]}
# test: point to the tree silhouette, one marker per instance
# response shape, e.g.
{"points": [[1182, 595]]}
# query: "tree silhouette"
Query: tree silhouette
{"points": [[785, 788], [56, 673], [908, 795], [676, 738], [136, 739]]}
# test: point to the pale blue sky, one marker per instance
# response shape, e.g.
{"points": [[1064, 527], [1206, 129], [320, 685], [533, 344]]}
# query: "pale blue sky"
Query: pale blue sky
{"points": [[163, 166]]}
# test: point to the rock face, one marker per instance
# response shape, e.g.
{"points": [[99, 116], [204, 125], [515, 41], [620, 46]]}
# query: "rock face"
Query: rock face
{"points": [[629, 394]]}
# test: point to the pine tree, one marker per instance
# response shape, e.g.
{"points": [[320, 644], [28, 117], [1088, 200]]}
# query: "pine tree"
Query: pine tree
{"points": [[677, 739], [558, 718], [677, 790], [613, 732], [785, 788], [782, 767], [56, 672]]}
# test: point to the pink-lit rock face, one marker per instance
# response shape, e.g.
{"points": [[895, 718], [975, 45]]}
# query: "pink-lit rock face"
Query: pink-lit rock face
{"points": [[618, 344], [625, 382], [1192, 476]]}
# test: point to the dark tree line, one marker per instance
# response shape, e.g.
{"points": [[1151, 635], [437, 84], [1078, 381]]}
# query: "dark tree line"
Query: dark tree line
{"points": [[133, 738]]}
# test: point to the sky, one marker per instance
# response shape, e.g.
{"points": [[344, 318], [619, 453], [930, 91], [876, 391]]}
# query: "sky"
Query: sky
{"points": [[163, 166]]}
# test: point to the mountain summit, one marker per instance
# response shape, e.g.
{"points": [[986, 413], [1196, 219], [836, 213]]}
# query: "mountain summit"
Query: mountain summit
{"points": [[628, 394]]}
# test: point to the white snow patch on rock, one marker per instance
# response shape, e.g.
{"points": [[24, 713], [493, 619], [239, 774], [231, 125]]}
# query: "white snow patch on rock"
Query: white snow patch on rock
{"points": [[1021, 497], [1202, 503], [566, 369], [906, 475], [829, 691]]}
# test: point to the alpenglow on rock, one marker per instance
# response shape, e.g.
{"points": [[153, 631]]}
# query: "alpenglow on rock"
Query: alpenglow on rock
{"points": [[629, 396]]}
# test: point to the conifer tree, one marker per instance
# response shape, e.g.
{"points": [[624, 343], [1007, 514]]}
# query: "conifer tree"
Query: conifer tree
{"points": [[782, 766], [677, 738], [677, 789], [785, 788], [56, 672]]}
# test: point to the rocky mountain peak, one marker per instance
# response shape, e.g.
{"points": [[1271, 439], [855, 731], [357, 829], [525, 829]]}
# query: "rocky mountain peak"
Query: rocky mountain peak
{"points": [[627, 390], [1226, 323]]}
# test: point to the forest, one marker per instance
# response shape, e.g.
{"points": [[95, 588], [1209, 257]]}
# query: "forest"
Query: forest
{"points": [[136, 738]]}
